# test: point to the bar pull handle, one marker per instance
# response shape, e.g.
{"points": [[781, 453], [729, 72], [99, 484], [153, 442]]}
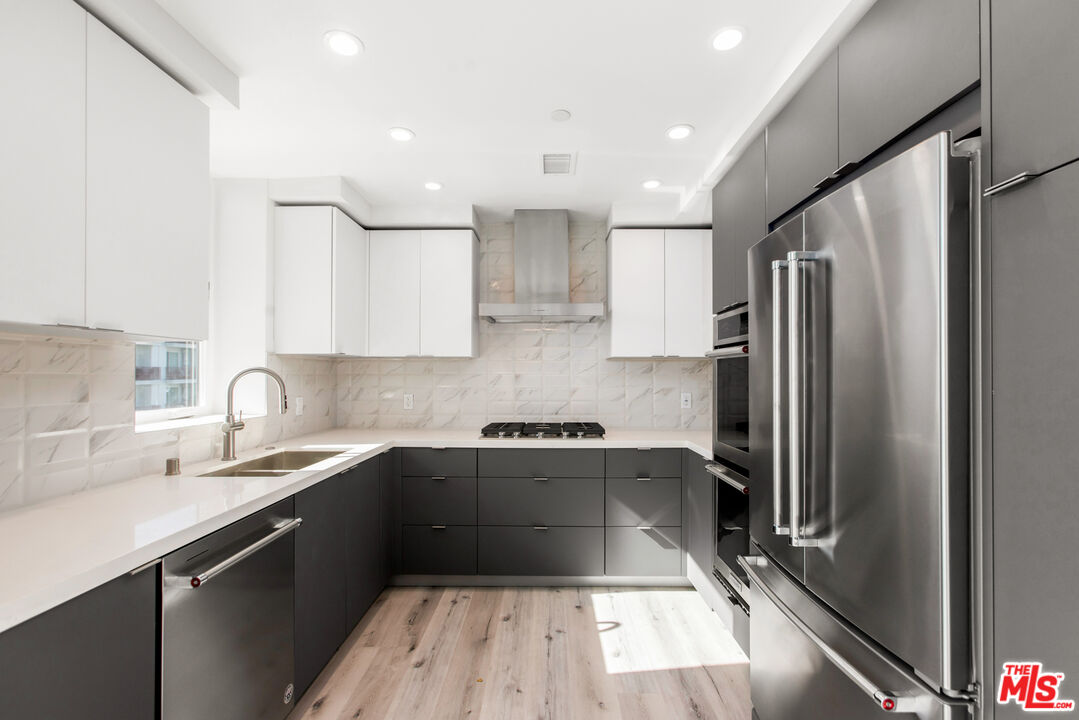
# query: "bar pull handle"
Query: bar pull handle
{"points": [[1012, 182], [644, 478], [844, 169], [796, 262], [438, 527], [540, 479], [728, 352], [779, 526], [438, 477], [279, 531], [717, 471], [539, 527]]}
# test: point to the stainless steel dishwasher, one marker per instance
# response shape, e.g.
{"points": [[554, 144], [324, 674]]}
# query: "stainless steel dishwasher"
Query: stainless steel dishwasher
{"points": [[227, 636]]}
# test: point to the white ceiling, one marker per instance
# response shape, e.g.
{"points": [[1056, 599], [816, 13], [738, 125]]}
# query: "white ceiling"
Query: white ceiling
{"points": [[477, 81]]}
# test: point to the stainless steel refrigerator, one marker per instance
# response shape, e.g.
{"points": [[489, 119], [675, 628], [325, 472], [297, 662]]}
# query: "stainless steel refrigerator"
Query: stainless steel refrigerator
{"points": [[859, 437]]}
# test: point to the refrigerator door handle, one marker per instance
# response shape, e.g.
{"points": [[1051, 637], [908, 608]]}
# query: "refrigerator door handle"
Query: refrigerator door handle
{"points": [[779, 527], [796, 262]]}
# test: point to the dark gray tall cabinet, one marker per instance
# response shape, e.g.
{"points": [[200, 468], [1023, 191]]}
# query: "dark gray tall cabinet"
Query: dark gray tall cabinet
{"points": [[93, 658], [738, 221], [364, 563]]}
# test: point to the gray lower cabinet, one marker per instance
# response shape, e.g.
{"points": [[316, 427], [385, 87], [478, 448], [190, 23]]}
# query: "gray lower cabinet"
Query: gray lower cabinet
{"points": [[389, 472], [1035, 261], [438, 500], [738, 222], [644, 551], [438, 550], [644, 462], [700, 516], [94, 658], [547, 501], [1034, 84], [448, 462], [802, 142], [363, 555], [644, 502], [527, 462], [541, 551], [907, 58]]}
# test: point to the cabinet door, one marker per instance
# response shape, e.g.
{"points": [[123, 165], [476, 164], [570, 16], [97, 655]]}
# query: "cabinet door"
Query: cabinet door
{"points": [[738, 222], [699, 518], [448, 293], [1035, 259], [147, 195], [43, 146], [538, 551], [687, 293], [1035, 88], [349, 309], [635, 293], [900, 63], [363, 564], [321, 585], [94, 657], [803, 142], [394, 293], [389, 479], [643, 551], [302, 290]]}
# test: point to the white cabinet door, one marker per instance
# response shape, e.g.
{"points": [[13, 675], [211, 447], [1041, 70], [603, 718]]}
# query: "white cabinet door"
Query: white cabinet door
{"points": [[635, 293], [349, 286], [394, 293], [303, 258], [687, 306], [147, 195], [43, 159], [448, 293]]}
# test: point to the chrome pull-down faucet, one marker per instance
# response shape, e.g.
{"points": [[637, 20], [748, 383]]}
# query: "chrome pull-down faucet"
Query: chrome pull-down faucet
{"points": [[232, 422]]}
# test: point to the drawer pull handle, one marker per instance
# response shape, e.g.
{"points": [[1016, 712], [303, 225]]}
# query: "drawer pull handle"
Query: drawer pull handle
{"points": [[438, 527], [644, 449], [438, 477], [644, 478], [539, 527], [540, 479]]}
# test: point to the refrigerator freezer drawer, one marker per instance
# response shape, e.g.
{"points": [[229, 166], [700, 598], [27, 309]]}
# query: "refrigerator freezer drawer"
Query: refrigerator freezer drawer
{"points": [[807, 665]]}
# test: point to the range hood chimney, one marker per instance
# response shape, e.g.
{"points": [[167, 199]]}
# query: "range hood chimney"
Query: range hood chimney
{"points": [[541, 273]]}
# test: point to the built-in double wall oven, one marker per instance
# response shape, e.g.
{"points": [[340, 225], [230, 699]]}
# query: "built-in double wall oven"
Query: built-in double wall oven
{"points": [[730, 447]]}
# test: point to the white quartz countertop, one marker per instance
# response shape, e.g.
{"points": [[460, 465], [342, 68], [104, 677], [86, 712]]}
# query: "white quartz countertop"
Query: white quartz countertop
{"points": [[57, 550]]}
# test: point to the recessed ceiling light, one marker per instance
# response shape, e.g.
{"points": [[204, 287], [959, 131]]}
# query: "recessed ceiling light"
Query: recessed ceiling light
{"points": [[560, 115], [679, 132], [650, 184], [343, 42], [728, 38], [401, 134], [433, 185]]}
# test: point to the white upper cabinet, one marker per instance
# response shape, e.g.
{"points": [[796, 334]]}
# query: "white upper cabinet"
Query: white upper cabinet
{"points": [[43, 151], [320, 282], [448, 293], [659, 290], [394, 293], [147, 195]]}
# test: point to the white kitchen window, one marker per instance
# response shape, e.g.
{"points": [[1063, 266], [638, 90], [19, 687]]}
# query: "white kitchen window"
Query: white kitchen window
{"points": [[168, 380]]}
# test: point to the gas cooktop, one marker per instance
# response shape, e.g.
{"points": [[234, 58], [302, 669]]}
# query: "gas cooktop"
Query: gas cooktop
{"points": [[569, 430]]}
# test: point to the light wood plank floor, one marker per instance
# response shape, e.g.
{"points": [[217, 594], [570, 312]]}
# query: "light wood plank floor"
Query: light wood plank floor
{"points": [[543, 653]]}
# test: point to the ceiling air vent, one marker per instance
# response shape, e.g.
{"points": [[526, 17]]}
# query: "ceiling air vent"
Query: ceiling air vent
{"points": [[558, 163]]}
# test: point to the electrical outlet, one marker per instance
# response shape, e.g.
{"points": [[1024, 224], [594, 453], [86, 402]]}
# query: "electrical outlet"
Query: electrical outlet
{"points": [[687, 401], [410, 401], [299, 406]]}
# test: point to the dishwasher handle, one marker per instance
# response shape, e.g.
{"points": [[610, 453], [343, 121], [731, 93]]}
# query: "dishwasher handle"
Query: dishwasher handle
{"points": [[280, 530]]}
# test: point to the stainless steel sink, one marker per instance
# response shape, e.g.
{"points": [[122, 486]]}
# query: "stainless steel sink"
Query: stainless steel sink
{"points": [[279, 463]]}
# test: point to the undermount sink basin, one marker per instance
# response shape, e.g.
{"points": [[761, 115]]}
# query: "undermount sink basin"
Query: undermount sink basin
{"points": [[279, 463]]}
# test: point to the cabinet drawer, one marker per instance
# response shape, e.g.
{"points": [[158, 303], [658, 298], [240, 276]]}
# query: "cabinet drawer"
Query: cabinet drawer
{"points": [[653, 502], [532, 501], [427, 550], [437, 500], [554, 551], [647, 552], [450, 462], [664, 463], [527, 462]]}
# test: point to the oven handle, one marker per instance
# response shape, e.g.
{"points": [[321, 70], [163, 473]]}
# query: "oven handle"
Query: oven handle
{"points": [[778, 526], [717, 471], [728, 352]]}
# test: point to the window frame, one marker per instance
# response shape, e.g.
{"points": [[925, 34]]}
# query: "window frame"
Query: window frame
{"points": [[200, 409]]}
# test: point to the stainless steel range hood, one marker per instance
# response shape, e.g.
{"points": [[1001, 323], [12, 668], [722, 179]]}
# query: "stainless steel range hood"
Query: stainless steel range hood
{"points": [[541, 273]]}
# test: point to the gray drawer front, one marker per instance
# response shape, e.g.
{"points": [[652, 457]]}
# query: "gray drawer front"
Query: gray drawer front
{"points": [[555, 501], [429, 551], [664, 463], [653, 502], [655, 551], [555, 551], [539, 462], [451, 462], [434, 501]]}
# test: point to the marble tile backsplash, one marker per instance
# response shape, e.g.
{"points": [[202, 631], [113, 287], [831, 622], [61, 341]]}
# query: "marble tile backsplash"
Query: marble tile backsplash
{"points": [[67, 417], [529, 372]]}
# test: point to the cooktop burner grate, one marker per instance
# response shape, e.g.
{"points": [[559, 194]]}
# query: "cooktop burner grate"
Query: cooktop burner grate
{"points": [[569, 430]]}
